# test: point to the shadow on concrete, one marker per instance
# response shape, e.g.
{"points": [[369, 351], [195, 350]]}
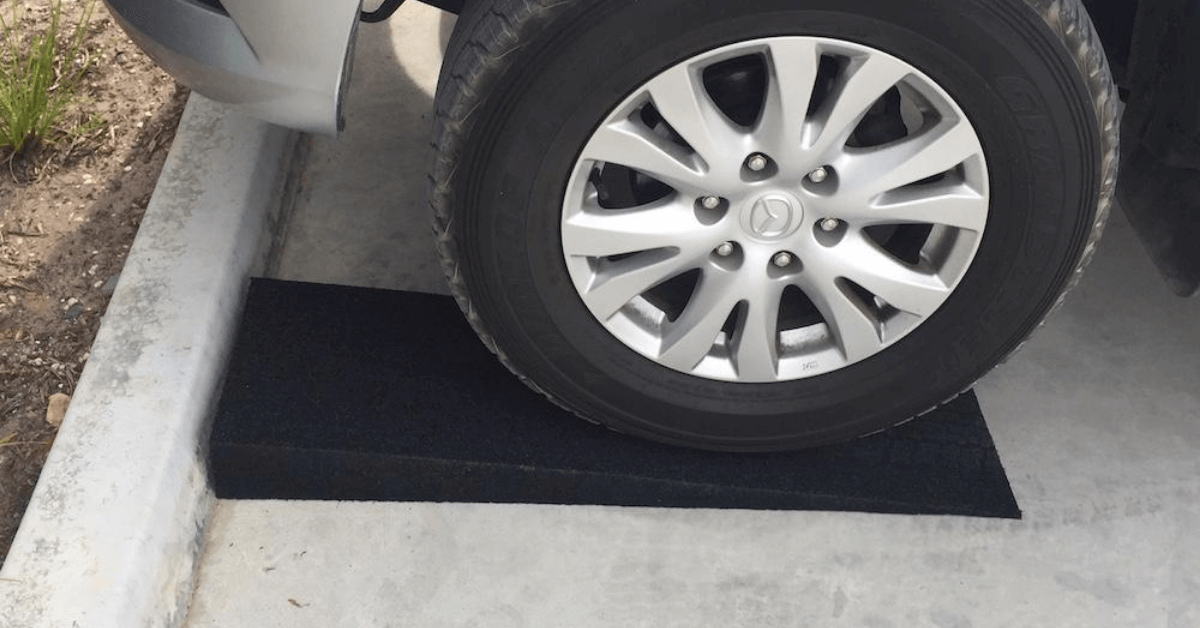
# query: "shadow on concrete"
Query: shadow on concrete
{"points": [[360, 216]]}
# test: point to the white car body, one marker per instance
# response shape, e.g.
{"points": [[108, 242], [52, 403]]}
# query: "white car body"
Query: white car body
{"points": [[284, 61]]}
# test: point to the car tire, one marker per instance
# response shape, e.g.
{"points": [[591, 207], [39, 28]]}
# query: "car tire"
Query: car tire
{"points": [[632, 217]]}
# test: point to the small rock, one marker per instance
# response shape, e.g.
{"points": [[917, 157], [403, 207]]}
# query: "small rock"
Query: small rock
{"points": [[56, 408], [110, 286], [73, 311]]}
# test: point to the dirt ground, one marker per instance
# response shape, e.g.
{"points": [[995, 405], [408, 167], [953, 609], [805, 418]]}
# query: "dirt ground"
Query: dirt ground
{"points": [[68, 215]]}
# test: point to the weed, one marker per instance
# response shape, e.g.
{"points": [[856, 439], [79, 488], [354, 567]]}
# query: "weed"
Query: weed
{"points": [[40, 77]]}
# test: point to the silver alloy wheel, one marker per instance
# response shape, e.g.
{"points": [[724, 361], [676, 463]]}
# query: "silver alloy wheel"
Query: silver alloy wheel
{"points": [[784, 244]]}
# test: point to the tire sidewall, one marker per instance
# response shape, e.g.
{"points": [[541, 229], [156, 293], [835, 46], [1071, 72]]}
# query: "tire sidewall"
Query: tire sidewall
{"points": [[997, 59]]}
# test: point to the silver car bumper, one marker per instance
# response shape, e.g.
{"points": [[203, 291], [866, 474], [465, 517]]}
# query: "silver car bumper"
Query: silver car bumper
{"points": [[284, 61]]}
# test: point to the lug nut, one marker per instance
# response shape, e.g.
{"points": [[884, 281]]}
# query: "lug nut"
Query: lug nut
{"points": [[782, 259], [756, 162], [710, 202], [725, 250], [830, 224], [818, 175]]}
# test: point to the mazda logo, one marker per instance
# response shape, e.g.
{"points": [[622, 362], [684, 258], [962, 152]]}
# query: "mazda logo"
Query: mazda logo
{"points": [[771, 216]]}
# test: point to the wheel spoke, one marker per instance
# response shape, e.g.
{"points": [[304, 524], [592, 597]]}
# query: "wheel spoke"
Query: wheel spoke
{"points": [[960, 207], [873, 171], [756, 344], [690, 337], [854, 330], [619, 282], [792, 74], [595, 232], [868, 79], [681, 99], [902, 287], [633, 145]]}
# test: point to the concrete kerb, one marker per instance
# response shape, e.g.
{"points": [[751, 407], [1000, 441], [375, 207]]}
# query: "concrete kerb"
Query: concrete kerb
{"points": [[113, 533]]}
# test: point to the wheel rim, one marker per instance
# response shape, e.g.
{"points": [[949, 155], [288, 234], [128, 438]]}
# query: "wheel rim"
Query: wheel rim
{"points": [[775, 209]]}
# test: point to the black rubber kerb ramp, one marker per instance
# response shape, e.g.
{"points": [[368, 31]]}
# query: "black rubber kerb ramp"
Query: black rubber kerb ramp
{"points": [[338, 393]]}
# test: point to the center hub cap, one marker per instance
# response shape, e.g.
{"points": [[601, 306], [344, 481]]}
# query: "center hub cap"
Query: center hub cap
{"points": [[772, 216]]}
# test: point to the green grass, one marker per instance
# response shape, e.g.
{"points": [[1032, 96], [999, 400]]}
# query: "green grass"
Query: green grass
{"points": [[40, 76]]}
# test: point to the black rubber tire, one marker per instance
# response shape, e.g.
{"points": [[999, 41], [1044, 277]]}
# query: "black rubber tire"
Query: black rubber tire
{"points": [[525, 82]]}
